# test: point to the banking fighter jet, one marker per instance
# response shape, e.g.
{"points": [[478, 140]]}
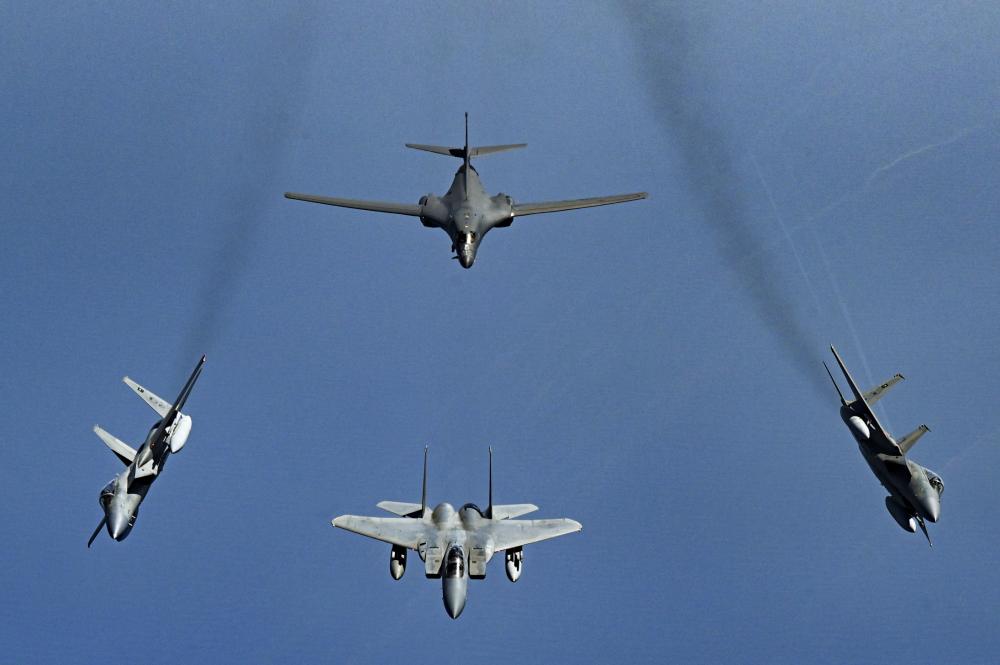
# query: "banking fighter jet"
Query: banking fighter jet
{"points": [[456, 545], [467, 213], [914, 491], [120, 498]]}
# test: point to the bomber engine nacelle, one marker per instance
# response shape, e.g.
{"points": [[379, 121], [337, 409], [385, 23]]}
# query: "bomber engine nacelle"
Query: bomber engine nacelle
{"points": [[513, 560], [397, 562], [902, 516], [180, 433]]}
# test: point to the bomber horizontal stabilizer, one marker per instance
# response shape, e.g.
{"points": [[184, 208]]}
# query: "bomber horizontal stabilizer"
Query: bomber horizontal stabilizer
{"points": [[476, 151], [122, 450], [910, 439]]}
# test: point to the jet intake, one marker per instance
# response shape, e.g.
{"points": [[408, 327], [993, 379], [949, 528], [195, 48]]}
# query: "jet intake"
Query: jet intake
{"points": [[902, 516], [180, 432], [397, 562], [513, 559]]}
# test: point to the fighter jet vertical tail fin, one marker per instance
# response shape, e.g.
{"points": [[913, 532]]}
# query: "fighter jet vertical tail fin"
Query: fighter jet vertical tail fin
{"points": [[859, 398], [122, 450], [423, 491], [489, 506], [910, 439], [843, 402]]}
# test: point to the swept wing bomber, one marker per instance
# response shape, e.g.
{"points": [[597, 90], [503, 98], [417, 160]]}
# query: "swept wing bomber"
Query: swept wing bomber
{"points": [[456, 545], [120, 498], [467, 213], [914, 491]]}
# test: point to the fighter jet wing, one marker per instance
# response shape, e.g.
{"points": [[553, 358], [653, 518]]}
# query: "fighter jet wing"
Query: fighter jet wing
{"points": [[521, 209], [515, 533], [402, 531], [412, 209], [875, 394]]}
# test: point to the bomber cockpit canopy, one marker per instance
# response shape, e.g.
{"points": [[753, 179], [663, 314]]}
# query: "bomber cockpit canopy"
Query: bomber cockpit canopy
{"points": [[466, 238]]}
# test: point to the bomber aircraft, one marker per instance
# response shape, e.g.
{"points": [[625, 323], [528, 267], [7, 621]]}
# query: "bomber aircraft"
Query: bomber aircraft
{"points": [[121, 497], [456, 545], [467, 213], [914, 491]]}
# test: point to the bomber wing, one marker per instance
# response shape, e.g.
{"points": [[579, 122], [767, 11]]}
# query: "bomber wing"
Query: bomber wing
{"points": [[402, 531], [515, 533], [522, 209], [411, 209]]}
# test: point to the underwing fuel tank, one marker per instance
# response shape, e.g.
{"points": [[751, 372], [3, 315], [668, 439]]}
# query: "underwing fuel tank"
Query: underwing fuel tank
{"points": [[513, 558], [181, 431], [901, 515], [397, 562], [859, 428]]}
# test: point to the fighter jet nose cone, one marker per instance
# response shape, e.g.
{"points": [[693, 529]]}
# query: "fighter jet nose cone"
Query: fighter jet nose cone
{"points": [[454, 609], [117, 526], [454, 596], [932, 509]]}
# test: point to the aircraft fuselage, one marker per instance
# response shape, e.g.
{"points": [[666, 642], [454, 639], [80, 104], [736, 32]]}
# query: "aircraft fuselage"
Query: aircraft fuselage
{"points": [[466, 213], [906, 481]]}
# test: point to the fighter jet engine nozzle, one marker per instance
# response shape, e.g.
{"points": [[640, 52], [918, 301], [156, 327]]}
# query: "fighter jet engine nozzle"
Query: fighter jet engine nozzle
{"points": [[859, 427], [180, 433], [513, 559], [397, 562], [902, 516]]}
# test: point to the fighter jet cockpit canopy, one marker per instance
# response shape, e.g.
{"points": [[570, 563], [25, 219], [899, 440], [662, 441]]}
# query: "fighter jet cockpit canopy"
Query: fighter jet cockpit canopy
{"points": [[936, 482], [455, 564]]}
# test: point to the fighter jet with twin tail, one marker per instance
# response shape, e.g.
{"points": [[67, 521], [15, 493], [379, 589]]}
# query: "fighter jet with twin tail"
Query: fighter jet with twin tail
{"points": [[914, 491], [456, 545], [120, 498], [467, 213]]}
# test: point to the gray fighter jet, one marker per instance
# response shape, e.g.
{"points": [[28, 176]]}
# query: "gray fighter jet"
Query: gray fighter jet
{"points": [[467, 213], [914, 491], [121, 497], [456, 545]]}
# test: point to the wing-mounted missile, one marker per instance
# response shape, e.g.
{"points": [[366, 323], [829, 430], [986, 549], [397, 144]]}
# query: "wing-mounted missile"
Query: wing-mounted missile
{"points": [[397, 562], [513, 560]]}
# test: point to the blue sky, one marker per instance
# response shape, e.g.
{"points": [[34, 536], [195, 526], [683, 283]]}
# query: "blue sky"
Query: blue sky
{"points": [[816, 173]]}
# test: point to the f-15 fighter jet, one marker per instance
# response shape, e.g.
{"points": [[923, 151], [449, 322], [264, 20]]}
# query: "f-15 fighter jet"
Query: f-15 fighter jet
{"points": [[121, 497], [467, 213], [914, 491], [456, 545]]}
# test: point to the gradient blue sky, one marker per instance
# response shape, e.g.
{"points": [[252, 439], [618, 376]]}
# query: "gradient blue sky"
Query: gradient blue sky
{"points": [[818, 172]]}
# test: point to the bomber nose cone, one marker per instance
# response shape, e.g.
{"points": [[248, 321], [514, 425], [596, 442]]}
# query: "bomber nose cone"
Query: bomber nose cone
{"points": [[117, 525], [466, 258], [454, 598]]}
